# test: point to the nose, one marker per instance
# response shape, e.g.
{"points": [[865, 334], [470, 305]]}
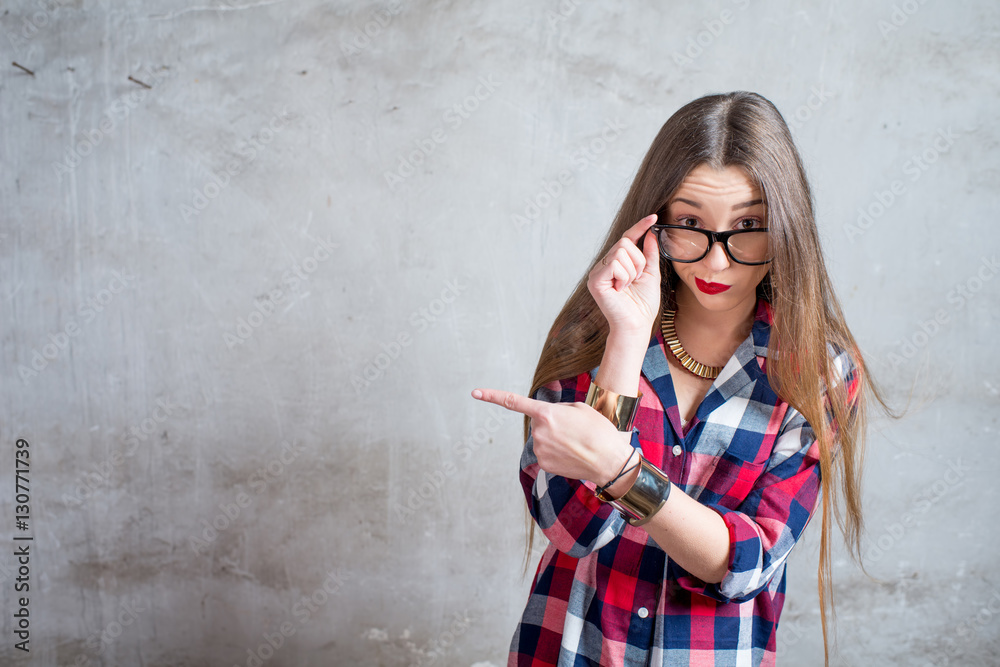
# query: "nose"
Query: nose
{"points": [[717, 259]]}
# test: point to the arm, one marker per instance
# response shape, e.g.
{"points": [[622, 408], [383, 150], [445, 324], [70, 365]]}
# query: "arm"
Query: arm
{"points": [[626, 284], [566, 509], [694, 536], [762, 528]]}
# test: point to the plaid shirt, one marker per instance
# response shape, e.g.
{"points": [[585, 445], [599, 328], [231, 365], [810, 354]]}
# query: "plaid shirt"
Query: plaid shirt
{"points": [[606, 594]]}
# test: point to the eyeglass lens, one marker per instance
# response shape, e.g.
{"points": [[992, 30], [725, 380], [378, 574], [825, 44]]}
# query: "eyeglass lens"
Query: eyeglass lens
{"points": [[690, 244]]}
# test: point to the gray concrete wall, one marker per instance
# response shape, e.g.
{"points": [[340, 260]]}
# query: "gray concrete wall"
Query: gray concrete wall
{"points": [[244, 302]]}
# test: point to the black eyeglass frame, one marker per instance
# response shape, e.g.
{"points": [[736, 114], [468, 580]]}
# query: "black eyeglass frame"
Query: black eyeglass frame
{"points": [[713, 237]]}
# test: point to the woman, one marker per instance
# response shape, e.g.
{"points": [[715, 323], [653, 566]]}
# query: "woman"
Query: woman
{"points": [[705, 350]]}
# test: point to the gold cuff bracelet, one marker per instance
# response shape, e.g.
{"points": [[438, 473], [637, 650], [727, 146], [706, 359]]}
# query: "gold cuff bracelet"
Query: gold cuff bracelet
{"points": [[620, 410]]}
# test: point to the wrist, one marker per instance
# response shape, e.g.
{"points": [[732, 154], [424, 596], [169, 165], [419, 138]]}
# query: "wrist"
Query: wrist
{"points": [[616, 464], [646, 494], [630, 337], [621, 364], [622, 485], [616, 408]]}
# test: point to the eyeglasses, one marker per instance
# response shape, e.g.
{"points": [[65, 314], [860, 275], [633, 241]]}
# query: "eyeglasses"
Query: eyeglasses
{"points": [[691, 244]]}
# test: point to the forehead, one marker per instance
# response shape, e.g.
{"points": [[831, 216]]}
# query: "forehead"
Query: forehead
{"points": [[705, 184]]}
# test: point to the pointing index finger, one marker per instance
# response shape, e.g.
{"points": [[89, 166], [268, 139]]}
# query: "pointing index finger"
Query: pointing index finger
{"points": [[511, 401]]}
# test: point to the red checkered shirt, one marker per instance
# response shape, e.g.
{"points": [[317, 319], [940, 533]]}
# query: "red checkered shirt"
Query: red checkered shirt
{"points": [[606, 594]]}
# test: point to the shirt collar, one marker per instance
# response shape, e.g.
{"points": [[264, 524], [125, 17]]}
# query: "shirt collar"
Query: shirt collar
{"points": [[747, 365]]}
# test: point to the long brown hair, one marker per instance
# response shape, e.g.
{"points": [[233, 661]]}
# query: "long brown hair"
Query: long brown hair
{"points": [[745, 130]]}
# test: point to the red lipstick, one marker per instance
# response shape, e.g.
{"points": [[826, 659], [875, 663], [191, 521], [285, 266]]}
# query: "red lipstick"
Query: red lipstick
{"points": [[711, 288]]}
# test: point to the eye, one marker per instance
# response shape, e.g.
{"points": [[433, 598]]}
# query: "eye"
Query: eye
{"points": [[750, 223], [687, 222]]}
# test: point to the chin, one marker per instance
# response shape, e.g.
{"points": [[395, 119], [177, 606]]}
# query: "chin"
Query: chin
{"points": [[719, 303]]}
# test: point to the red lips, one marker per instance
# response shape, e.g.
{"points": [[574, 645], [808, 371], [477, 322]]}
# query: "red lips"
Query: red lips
{"points": [[711, 288]]}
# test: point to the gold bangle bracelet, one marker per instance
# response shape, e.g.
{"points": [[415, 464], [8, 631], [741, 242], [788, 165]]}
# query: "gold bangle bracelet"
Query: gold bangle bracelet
{"points": [[648, 494], [620, 410]]}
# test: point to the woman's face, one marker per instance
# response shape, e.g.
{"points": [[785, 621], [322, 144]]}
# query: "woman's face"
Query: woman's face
{"points": [[718, 201]]}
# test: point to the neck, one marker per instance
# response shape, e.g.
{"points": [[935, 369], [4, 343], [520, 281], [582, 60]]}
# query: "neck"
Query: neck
{"points": [[733, 324]]}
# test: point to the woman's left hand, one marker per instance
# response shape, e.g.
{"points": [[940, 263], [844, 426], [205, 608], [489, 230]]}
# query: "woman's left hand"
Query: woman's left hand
{"points": [[572, 440]]}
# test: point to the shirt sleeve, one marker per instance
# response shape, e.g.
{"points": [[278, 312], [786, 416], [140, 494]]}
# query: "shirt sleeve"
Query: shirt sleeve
{"points": [[573, 519], [764, 527]]}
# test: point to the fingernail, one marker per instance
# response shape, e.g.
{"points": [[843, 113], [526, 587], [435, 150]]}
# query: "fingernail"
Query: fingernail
{"points": [[476, 393]]}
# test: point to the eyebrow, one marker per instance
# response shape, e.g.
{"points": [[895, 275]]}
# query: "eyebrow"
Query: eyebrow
{"points": [[746, 204]]}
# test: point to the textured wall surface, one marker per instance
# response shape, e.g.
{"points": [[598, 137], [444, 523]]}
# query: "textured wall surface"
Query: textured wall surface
{"points": [[254, 254]]}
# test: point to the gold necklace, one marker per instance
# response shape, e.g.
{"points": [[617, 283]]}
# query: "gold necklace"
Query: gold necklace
{"points": [[680, 354]]}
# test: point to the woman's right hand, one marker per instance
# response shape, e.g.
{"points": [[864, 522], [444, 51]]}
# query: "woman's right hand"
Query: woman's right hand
{"points": [[626, 282]]}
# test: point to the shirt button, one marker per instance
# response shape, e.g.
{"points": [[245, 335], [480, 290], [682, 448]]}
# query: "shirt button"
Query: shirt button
{"points": [[643, 612], [677, 450]]}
